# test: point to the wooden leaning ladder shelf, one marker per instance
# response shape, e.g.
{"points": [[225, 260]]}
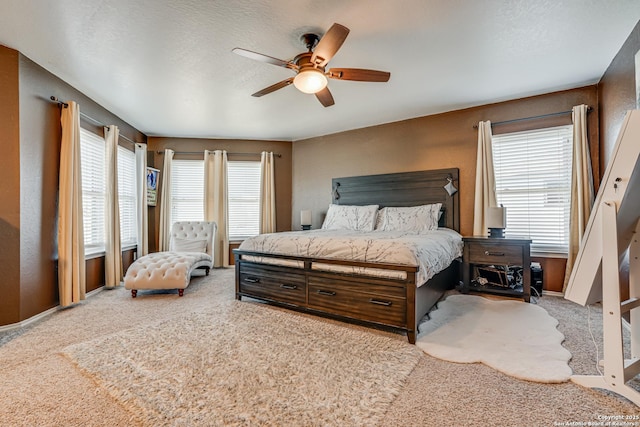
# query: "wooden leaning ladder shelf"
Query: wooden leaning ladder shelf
{"points": [[613, 229], [617, 370]]}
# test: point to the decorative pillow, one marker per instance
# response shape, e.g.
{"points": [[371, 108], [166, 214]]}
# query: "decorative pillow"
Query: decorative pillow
{"points": [[189, 245], [348, 217], [414, 219], [382, 213]]}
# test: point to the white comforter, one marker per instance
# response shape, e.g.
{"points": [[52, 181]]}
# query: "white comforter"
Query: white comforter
{"points": [[431, 251]]}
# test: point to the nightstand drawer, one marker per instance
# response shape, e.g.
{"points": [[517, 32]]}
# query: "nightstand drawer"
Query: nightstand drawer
{"points": [[495, 254]]}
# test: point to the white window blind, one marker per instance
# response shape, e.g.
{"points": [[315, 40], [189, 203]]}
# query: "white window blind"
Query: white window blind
{"points": [[243, 184], [244, 199], [127, 197], [533, 181], [92, 156], [187, 190]]}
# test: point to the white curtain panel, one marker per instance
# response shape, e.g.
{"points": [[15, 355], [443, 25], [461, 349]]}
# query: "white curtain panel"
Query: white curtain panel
{"points": [[165, 202], [142, 213], [215, 202], [267, 194], [485, 194], [113, 247], [582, 192], [71, 266]]}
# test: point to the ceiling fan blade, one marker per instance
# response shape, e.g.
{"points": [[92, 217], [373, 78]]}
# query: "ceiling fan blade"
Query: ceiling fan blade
{"points": [[325, 97], [329, 44], [274, 87], [358, 74], [264, 58]]}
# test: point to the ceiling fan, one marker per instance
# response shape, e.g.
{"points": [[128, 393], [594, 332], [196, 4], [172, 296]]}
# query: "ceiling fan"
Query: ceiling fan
{"points": [[309, 66]]}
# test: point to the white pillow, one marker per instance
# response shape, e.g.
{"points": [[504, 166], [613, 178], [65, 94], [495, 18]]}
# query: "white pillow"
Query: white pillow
{"points": [[348, 217], [413, 219], [380, 218], [189, 245]]}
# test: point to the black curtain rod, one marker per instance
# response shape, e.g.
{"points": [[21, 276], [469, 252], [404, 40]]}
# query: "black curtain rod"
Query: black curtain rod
{"points": [[62, 103], [542, 116], [99, 123], [202, 152]]}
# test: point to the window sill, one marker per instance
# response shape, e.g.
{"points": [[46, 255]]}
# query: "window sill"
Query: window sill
{"points": [[94, 255], [100, 254]]}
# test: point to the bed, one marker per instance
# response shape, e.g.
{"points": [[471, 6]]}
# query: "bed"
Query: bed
{"points": [[364, 285]]}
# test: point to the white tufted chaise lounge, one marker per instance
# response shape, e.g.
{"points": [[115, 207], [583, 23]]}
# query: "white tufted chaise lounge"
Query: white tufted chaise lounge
{"points": [[191, 247]]}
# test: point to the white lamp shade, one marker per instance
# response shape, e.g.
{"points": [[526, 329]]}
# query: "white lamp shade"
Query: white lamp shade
{"points": [[310, 81], [497, 217], [305, 217]]}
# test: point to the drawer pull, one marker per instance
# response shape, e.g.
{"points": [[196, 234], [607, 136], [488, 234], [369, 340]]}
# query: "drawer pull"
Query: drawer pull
{"points": [[327, 293], [494, 253], [290, 287], [252, 279], [380, 302]]}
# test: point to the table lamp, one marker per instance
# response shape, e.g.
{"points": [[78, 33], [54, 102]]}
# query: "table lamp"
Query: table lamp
{"points": [[305, 219], [497, 221]]}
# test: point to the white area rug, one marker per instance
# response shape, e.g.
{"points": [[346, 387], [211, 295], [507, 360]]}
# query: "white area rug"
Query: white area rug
{"points": [[513, 337], [244, 363]]}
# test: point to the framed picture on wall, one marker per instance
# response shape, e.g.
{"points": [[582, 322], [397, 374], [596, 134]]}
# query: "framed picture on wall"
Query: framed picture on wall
{"points": [[152, 186]]}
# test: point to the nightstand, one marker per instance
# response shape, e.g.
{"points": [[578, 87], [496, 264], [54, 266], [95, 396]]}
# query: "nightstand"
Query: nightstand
{"points": [[490, 258]]}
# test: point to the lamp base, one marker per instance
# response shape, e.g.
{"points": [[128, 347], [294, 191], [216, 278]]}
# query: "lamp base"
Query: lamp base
{"points": [[306, 227], [496, 233]]}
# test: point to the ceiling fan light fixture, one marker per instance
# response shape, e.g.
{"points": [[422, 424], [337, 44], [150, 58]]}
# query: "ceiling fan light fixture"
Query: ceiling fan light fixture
{"points": [[310, 66], [310, 81]]}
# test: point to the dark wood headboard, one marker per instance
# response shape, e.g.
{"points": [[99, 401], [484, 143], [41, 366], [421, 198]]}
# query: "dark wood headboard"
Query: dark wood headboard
{"points": [[402, 189]]}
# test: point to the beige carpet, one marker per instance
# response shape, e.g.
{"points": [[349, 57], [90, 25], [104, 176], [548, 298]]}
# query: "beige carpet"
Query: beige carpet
{"points": [[242, 363], [41, 387], [516, 338]]}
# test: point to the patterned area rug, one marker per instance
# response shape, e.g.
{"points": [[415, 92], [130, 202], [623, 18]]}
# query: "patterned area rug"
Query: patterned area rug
{"points": [[243, 363], [513, 337]]}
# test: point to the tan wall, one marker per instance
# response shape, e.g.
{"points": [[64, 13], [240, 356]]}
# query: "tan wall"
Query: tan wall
{"points": [[10, 187], [40, 134], [282, 168], [431, 142], [30, 123], [617, 93]]}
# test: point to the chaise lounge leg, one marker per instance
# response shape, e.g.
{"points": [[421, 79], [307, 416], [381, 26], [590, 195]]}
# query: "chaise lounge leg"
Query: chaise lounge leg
{"points": [[180, 292], [134, 293], [206, 271]]}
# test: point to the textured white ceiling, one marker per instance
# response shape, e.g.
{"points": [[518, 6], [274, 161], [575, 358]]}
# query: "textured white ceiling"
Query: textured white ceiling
{"points": [[166, 67]]}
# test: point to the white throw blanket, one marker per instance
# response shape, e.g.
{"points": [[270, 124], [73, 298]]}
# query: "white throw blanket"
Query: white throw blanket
{"points": [[513, 337]]}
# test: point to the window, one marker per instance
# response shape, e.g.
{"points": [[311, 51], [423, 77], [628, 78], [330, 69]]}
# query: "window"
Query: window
{"points": [[92, 157], [187, 190], [243, 186], [127, 197], [533, 181], [244, 199]]}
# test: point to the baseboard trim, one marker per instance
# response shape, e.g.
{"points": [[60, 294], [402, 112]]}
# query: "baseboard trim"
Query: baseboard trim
{"points": [[39, 316], [32, 319], [94, 292], [552, 293]]}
